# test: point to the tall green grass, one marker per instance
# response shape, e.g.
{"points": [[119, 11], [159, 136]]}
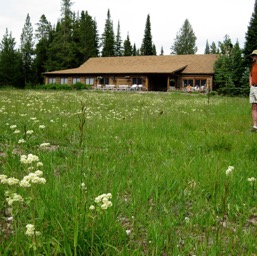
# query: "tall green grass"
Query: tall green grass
{"points": [[162, 156]]}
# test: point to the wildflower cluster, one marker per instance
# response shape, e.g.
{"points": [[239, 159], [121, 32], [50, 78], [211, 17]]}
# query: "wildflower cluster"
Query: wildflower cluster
{"points": [[229, 170], [103, 201], [31, 230], [9, 181], [34, 177], [13, 197], [252, 179], [29, 159]]}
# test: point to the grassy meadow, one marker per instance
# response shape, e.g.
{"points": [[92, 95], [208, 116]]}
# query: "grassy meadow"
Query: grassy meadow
{"points": [[121, 173]]}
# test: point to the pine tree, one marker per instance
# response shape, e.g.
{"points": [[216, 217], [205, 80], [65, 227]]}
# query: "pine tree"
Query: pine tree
{"points": [[42, 34], [162, 51], [61, 53], [147, 44], [251, 36], [108, 40], [213, 48], [27, 50], [43, 28], [185, 40], [229, 68], [237, 66], [128, 50], [207, 48], [118, 42], [135, 51], [85, 38], [10, 62]]}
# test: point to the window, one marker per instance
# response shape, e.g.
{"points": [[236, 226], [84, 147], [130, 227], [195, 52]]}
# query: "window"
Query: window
{"points": [[187, 82], [200, 82], [75, 80], [90, 81], [103, 80], [51, 80], [136, 80], [64, 80]]}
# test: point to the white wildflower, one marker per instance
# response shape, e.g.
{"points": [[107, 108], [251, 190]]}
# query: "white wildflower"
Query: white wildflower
{"points": [[31, 230], [187, 220], [11, 198], [3, 178], [92, 207], [44, 145], [39, 164], [103, 200], [29, 159], [12, 181], [39, 173], [29, 132], [24, 183], [252, 179], [128, 232], [17, 131], [13, 127], [229, 170], [21, 141], [42, 127]]}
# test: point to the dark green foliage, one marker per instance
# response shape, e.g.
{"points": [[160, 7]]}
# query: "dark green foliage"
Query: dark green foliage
{"points": [[85, 37], [214, 49], [27, 50], [108, 40], [128, 50], [43, 35], [207, 48], [118, 42], [10, 62], [185, 40], [147, 47], [229, 69], [251, 36]]}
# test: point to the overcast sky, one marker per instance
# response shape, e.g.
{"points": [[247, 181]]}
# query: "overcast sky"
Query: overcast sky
{"points": [[210, 20]]}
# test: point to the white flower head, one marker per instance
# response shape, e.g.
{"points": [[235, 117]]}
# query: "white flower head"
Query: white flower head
{"points": [[252, 179], [229, 170], [21, 141], [29, 132], [44, 145], [12, 181], [39, 164], [31, 230], [128, 232], [91, 207]]}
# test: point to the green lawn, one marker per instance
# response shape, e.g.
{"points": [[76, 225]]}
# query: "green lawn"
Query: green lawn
{"points": [[164, 157]]}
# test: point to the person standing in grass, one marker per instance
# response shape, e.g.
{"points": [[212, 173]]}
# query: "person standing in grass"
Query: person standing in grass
{"points": [[253, 89]]}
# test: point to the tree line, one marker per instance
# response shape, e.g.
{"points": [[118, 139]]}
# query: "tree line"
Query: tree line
{"points": [[75, 39]]}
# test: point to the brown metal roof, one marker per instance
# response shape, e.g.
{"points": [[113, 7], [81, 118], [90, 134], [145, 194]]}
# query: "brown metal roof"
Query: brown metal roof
{"points": [[187, 64]]}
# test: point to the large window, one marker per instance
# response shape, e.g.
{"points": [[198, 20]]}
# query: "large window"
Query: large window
{"points": [[90, 81], [187, 82], [194, 82], [51, 80], [200, 82], [103, 80], [75, 80], [64, 80], [136, 80]]}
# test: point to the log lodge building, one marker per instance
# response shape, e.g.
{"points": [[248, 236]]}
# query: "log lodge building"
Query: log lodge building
{"points": [[152, 73]]}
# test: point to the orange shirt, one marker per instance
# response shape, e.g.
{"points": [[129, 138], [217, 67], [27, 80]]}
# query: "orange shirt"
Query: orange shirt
{"points": [[254, 73]]}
